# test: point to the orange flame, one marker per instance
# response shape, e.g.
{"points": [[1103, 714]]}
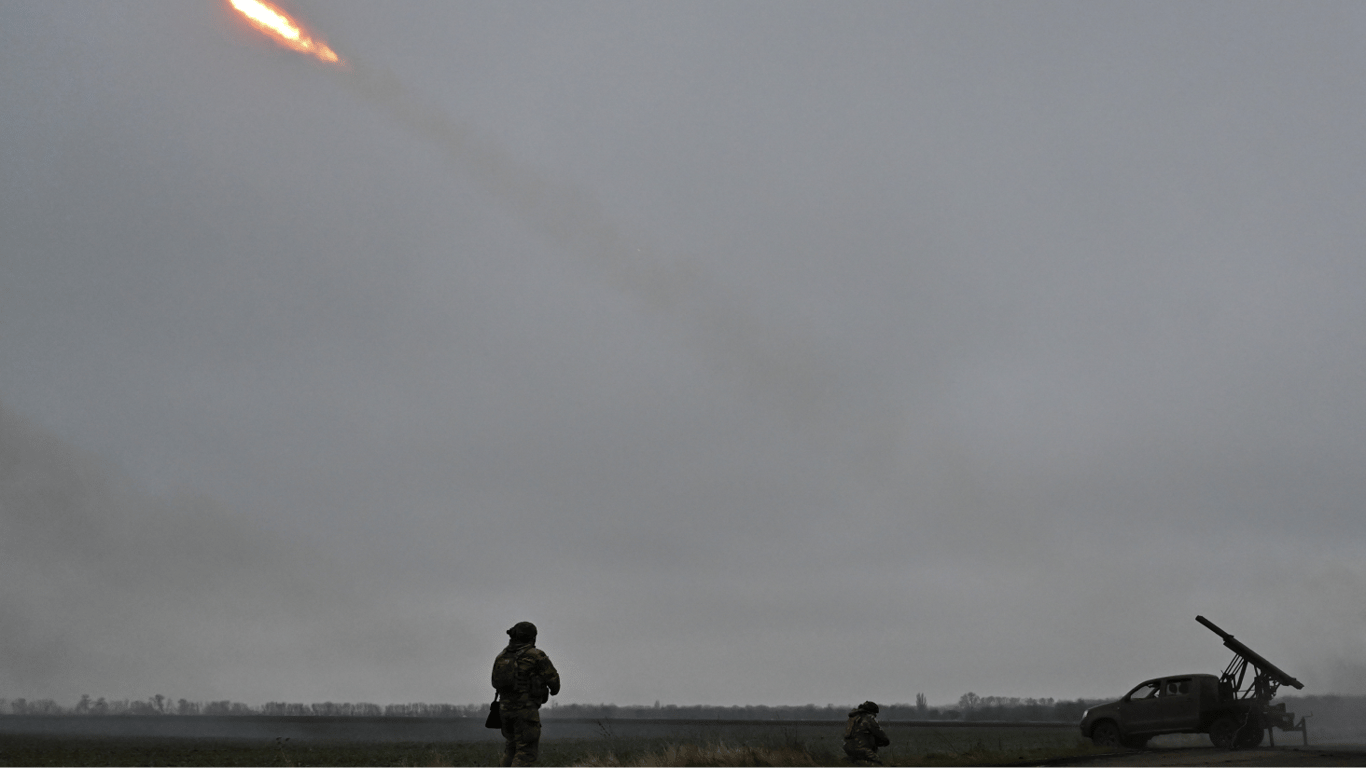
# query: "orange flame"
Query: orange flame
{"points": [[285, 30]]}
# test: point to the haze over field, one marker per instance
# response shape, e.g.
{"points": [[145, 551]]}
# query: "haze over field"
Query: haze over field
{"points": [[759, 353]]}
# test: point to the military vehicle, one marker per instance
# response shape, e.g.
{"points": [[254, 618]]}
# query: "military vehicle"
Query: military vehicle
{"points": [[1236, 716]]}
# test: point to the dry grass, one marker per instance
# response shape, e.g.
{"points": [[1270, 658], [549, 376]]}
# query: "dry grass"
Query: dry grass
{"points": [[691, 754], [757, 744]]}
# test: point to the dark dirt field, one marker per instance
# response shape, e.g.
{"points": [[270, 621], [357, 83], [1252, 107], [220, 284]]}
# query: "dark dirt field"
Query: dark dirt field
{"points": [[82, 751], [1263, 756], [263, 742]]}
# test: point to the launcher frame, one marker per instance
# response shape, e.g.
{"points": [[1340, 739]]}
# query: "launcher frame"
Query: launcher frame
{"points": [[1266, 680]]}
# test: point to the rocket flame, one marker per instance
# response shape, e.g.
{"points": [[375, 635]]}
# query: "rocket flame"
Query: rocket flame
{"points": [[285, 30]]}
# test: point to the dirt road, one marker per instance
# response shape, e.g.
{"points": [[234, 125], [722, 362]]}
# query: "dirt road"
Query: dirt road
{"points": [[1345, 754]]}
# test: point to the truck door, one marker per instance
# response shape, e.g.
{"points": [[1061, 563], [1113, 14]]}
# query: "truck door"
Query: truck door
{"points": [[1179, 704], [1141, 709]]}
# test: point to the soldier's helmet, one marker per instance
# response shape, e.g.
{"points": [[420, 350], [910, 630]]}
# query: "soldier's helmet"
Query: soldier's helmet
{"points": [[523, 632], [869, 706]]}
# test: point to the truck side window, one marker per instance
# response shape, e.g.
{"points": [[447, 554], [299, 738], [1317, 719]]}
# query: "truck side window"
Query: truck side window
{"points": [[1146, 691]]}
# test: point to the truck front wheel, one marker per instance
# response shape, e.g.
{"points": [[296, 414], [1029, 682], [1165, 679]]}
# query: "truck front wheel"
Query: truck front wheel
{"points": [[1105, 734], [1135, 742]]}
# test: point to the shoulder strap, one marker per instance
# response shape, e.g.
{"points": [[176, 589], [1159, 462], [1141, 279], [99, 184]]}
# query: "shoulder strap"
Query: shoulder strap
{"points": [[517, 659]]}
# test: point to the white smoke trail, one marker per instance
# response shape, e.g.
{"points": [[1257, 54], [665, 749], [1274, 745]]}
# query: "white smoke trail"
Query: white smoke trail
{"points": [[772, 367]]}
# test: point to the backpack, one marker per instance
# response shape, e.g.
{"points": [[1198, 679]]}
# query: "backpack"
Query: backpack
{"points": [[856, 725], [506, 674]]}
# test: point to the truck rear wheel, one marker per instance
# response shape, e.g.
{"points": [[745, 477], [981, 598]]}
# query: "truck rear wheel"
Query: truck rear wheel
{"points": [[1222, 731], [1251, 735], [1233, 732]]}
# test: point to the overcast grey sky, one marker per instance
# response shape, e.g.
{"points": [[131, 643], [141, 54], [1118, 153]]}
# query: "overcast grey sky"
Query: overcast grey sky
{"points": [[759, 353]]}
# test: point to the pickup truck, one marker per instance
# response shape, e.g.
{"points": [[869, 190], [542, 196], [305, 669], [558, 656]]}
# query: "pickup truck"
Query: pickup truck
{"points": [[1181, 704]]}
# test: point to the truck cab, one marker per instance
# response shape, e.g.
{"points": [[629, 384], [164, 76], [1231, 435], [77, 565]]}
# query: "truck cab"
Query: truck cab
{"points": [[1176, 704]]}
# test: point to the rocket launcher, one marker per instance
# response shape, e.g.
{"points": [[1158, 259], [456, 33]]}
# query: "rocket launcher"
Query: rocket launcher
{"points": [[1268, 676]]}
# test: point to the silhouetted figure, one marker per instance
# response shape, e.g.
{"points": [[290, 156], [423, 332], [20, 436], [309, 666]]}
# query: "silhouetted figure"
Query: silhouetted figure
{"points": [[524, 679], [862, 735]]}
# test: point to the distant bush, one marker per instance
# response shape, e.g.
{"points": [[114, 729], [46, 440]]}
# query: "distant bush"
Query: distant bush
{"points": [[226, 708], [698, 712], [977, 708], [435, 710], [36, 707]]}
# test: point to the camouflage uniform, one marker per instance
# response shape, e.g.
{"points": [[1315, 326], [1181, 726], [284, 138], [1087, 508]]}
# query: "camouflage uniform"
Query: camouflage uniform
{"points": [[535, 681], [862, 735]]}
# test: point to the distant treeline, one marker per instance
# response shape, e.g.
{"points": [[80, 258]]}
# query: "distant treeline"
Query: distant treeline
{"points": [[1328, 714], [161, 705], [970, 707]]}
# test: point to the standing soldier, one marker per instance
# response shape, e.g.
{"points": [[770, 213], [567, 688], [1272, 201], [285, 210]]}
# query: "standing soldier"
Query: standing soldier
{"points": [[862, 735], [524, 679]]}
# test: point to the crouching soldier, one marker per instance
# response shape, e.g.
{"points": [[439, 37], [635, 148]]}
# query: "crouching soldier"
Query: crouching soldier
{"points": [[862, 735], [524, 679]]}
